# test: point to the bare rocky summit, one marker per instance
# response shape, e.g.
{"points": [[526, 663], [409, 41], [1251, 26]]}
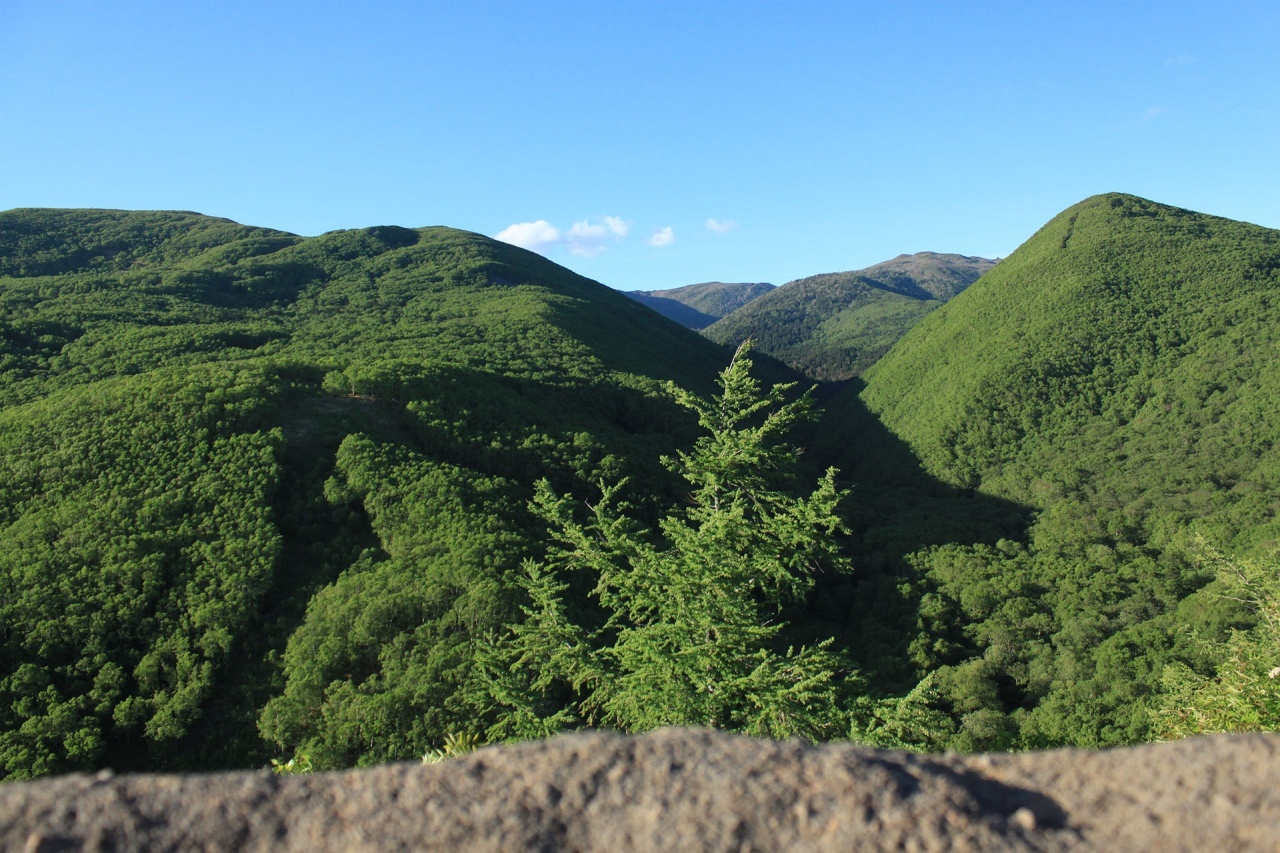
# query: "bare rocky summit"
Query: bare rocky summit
{"points": [[678, 790]]}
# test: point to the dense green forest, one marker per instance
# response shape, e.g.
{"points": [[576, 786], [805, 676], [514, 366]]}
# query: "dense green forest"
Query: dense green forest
{"points": [[834, 326], [1117, 376], [358, 497], [254, 480]]}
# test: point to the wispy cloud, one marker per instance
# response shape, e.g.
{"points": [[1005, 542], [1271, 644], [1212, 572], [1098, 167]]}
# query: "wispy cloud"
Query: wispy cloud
{"points": [[584, 238], [1151, 114], [589, 239], [720, 226], [1182, 59], [662, 237]]}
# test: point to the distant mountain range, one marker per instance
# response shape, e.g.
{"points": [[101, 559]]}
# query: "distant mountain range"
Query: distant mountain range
{"points": [[697, 306], [836, 325], [830, 326]]}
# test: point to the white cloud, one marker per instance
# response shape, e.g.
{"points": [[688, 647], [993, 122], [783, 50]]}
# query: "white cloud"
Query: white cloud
{"points": [[720, 226], [1152, 114], [588, 239], [1182, 59], [585, 238], [534, 236], [663, 237]]}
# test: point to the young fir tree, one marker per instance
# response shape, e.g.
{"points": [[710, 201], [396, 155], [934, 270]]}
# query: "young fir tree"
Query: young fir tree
{"points": [[690, 632]]}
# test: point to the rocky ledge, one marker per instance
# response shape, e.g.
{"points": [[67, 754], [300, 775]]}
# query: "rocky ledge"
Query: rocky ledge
{"points": [[684, 790]]}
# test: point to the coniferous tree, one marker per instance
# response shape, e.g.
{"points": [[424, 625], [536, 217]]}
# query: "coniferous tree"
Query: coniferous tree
{"points": [[689, 631]]}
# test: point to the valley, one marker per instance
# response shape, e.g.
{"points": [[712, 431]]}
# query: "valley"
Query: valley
{"points": [[351, 496]]}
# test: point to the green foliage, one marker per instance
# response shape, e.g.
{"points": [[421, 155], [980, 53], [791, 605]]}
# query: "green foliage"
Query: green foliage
{"points": [[297, 766], [1109, 376], [682, 624], [372, 672], [39, 242], [265, 495], [1243, 692], [919, 721], [258, 483], [136, 547], [455, 746]]}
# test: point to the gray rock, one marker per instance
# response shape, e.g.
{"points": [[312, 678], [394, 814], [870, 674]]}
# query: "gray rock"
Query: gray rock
{"points": [[678, 790]]}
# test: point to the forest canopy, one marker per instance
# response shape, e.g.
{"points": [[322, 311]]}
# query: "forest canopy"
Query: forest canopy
{"points": [[358, 497]]}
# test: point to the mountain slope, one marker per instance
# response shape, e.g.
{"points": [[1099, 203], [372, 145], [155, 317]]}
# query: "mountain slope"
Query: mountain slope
{"points": [[266, 495], [1115, 375], [697, 306], [254, 480], [835, 325]]}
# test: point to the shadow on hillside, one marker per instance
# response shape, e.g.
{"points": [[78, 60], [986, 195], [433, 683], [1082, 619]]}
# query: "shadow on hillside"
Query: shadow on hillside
{"points": [[572, 432], [521, 430], [629, 337], [675, 310], [496, 426], [896, 509]]}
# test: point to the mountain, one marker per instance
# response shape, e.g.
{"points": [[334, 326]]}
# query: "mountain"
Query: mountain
{"points": [[348, 499], [697, 306], [1115, 376], [255, 482], [836, 325]]}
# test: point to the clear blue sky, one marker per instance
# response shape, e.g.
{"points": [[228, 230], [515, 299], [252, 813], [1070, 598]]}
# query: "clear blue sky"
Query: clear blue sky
{"points": [[749, 141]]}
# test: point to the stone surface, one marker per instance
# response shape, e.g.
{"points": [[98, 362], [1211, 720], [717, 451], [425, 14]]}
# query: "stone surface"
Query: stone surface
{"points": [[684, 790]]}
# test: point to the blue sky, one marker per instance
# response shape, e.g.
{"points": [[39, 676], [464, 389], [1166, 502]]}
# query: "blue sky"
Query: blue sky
{"points": [[647, 145]]}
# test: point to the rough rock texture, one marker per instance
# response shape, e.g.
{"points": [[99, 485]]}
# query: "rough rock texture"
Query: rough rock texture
{"points": [[684, 790]]}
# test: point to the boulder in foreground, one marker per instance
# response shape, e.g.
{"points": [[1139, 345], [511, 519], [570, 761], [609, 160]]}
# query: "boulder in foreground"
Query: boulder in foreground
{"points": [[684, 790]]}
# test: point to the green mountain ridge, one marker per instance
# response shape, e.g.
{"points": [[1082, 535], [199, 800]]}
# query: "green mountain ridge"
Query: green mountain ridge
{"points": [[836, 325], [1113, 375]]}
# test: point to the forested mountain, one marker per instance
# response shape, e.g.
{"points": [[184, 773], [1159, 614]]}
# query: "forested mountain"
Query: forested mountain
{"points": [[699, 305], [357, 497], [836, 325], [217, 437], [1117, 376]]}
